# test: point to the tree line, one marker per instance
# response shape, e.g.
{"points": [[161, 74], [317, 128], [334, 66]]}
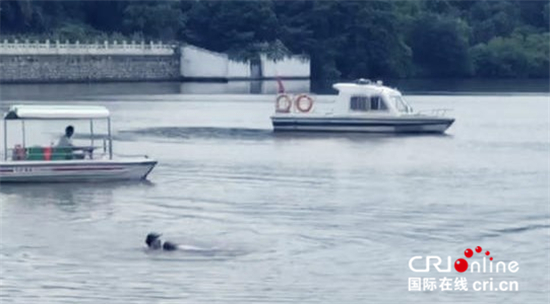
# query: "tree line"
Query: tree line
{"points": [[343, 39]]}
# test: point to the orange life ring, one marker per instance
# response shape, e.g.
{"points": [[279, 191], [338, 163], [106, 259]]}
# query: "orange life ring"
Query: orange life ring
{"points": [[299, 103], [283, 104]]}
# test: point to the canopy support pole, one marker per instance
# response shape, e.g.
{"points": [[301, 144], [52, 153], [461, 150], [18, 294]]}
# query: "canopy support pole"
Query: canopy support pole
{"points": [[5, 140], [110, 139], [92, 136], [92, 131], [23, 132]]}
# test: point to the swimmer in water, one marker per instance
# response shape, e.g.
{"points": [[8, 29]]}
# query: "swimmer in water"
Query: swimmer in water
{"points": [[153, 241]]}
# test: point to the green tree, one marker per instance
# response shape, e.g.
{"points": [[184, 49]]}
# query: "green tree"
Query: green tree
{"points": [[439, 46], [490, 19], [226, 25], [521, 55], [154, 20], [499, 58], [349, 39]]}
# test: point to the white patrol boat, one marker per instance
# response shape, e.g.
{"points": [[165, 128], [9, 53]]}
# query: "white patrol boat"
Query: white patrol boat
{"points": [[90, 163], [363, 106]]}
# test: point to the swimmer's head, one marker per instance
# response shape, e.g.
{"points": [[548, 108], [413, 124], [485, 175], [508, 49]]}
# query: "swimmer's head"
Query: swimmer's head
{"points": [[153, 240]]}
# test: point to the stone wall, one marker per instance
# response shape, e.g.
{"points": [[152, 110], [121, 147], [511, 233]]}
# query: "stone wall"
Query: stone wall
{"points": [[95, 62], [73, 68]]}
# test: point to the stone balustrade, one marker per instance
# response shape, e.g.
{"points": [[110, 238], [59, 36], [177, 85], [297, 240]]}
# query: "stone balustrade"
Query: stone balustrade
{"points": [[57, 47]]}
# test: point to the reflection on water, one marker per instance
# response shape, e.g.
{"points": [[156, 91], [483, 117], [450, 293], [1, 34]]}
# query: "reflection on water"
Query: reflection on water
{"points": [[244, 87], [79, 91], [408, 86], [66, 194], [218, 133]]}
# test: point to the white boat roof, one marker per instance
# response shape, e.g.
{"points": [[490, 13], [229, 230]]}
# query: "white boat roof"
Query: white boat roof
{"points": [[358, 88], [56, 112]]}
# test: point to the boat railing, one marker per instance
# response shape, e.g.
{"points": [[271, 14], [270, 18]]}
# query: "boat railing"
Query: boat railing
{"points": [[118, 155], [435, 112], [54, 153]]}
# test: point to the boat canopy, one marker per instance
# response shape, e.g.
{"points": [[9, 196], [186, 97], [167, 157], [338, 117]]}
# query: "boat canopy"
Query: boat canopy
{"points": [[56, 112]]}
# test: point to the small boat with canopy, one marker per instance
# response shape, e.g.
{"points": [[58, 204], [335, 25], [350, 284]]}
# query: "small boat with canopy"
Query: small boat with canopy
{"points": [[92, 162]]}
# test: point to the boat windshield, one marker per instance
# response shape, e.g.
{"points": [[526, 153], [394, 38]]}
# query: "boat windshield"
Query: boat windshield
{"points": [[400, 104]]}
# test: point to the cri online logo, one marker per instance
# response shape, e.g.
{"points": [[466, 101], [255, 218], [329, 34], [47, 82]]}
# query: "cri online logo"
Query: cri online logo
{"points": [[461, 265]]}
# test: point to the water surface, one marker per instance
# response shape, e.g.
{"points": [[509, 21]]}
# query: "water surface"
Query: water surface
{"points": [[301, 218]]}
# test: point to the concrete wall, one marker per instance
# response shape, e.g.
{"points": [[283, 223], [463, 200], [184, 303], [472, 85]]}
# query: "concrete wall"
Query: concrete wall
{"points": [[199, 63], [202, 63], [292, 67], [238, 70]]}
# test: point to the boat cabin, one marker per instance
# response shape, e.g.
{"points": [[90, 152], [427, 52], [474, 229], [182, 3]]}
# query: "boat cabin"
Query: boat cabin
{"points": [[366, 97]]}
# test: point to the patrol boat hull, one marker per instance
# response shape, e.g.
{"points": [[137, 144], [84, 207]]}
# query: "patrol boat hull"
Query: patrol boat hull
{"points": [[413, 124]]}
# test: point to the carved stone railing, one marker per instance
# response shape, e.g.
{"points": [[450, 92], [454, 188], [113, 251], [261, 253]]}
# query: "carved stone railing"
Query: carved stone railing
{"points": [[76, 48]]}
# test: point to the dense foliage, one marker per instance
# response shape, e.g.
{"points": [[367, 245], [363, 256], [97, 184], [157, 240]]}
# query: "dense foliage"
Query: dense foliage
{"points": [[344, 39]]}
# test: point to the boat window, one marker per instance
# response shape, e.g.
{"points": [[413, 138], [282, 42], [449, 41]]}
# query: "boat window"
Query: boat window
{"points": [[377, 103], [400, 104], [359, 103]]}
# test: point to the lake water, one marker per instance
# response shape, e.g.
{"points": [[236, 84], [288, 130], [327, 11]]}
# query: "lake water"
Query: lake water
{"points": [[324, 218]]}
